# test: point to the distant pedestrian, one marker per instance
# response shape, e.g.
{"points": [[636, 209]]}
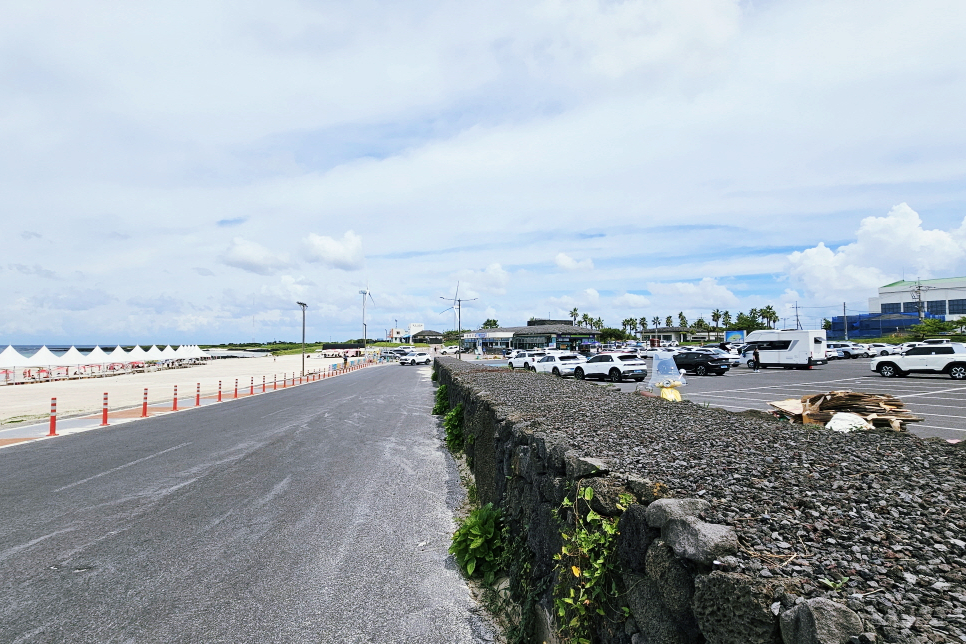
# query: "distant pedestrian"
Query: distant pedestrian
{"points": [[345, 360], [757, 358]]}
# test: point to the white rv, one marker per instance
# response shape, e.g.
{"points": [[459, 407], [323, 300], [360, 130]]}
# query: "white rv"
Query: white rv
{"points": [[787, 349]]}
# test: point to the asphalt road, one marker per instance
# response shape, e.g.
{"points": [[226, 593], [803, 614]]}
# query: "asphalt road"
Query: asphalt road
{"points": [[321, 513]]}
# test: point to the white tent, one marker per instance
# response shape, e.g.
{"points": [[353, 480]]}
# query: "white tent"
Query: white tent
{"points": [[182, 352], [169, 353], [43, 358], [154, 353], [137, 353], [196, 352], [10, 357], [118, 355], [73, 357], [97, 356]]}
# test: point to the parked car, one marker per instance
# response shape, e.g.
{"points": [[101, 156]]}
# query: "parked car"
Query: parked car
{"points": [[849, 349], [733, 359], [416, 357], [558, 365], [450, 350], [526, 359], [832, 354], [702, 363], [932, 341], [882, 349], [614, 367], [945, 358]]}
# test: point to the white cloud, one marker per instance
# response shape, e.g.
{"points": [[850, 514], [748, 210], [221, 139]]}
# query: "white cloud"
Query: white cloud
{"points": [[631, 301], [493, 279], [885, 248], [253, 257], [345, 253], [705, 294], [567, 262]]}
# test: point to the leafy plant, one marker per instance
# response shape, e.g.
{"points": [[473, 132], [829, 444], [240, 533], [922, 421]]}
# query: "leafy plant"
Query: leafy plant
{"points": [[835, 585], [453, 423], [442, 401], [478, 543], [586, 567], [434, 377]]}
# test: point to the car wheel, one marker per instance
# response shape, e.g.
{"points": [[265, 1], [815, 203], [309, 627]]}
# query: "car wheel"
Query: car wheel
{"points": [[511, 366], [526, 366], [579, 373], [751, 364], [615, 375], [957, 372], [854, 356], [883, 353], [556, 372], [701, 370], [888, 370]]}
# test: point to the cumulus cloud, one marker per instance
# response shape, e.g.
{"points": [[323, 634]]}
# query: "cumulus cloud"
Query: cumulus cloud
{"points": [[693, 295], [345, 253], [493, 279], [884, 247], [631, 301], [586, 297], [568, 263], [253, 257]]}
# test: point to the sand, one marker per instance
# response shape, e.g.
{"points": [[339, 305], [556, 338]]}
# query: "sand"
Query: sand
{"points": [[31, 402]]}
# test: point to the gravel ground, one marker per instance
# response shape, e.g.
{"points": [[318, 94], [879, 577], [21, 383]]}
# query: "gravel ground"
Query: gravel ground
{"points": [[883, 509]]}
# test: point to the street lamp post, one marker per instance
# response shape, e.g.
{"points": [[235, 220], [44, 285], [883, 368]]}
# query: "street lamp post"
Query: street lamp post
{"points": [[304, 306]]}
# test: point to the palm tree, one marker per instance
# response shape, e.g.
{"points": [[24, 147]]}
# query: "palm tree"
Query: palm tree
{"points": [[716, 317], [656, 321], [643, 325], [573, 315], [600, 323], [682, 321], [726, 319], [668, 321], [769, 315], [585, 319]]}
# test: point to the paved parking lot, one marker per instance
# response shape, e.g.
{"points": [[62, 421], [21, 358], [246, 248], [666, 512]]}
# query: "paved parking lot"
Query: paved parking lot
{"points": [[937, 398]]}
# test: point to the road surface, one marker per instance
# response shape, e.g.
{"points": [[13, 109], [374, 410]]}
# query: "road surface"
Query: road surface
{"points": [[321, 513]]}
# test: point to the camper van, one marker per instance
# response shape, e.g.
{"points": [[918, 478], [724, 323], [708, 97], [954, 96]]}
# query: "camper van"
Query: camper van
{"points": [[787, 349]]}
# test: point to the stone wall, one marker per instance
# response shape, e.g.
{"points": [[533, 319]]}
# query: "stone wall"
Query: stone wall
{"points": [[677, 566]]}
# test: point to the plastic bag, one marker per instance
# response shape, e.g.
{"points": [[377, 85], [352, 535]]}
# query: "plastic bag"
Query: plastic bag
{"points": [[845, 422]]}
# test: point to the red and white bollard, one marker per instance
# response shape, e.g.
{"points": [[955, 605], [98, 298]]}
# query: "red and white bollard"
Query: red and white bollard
{"points": [[274, 382], [236, 387], [219, 391], [174, 403], [263, 384], [104, 412], [144, 404], [284, 380], [251, 389], [53, 417], [198, 395]]}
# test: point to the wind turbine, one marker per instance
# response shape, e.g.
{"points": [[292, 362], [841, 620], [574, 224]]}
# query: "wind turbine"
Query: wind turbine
{"points": [[458, 312], [365, 340]]}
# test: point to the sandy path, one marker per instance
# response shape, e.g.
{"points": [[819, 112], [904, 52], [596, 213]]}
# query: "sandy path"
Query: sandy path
{"points": [[84, 396]]}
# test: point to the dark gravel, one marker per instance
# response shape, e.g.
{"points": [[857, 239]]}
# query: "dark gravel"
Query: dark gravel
{"points": [[883, 509]]}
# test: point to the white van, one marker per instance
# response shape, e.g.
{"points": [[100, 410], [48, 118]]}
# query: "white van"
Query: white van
{"points": [[786, 349]]}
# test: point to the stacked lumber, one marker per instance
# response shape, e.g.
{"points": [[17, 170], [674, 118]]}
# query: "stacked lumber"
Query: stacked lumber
{"points": [[879, 410]]}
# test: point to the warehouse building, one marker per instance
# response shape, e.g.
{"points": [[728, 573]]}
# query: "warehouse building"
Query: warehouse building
{"points": [[944, 297]]}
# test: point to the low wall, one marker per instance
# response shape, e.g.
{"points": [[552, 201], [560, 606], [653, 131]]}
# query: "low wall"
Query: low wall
{"points": [[733, 528]]}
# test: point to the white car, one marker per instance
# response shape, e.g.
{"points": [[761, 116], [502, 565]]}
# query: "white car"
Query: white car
{"points": [[943, 358], [416, 357], [614, 367], [832, 354], [882, 349], [449, 350], [848, 349], [526, 360], [558, 365]]}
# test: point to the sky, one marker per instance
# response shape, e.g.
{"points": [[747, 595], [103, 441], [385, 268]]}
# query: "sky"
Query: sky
{"points": [[185, 172]]}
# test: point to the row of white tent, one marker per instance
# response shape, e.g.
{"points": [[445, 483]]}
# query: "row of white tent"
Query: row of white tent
{"points": [[10, 357]]}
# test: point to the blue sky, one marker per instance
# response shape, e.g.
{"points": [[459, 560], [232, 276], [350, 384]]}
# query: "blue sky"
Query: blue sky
{"points": [[185, 172]]}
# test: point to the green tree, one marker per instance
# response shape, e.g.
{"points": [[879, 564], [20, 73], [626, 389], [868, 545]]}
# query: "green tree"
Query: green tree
{"points": [[585, 320], [668, 321], [682, 321], [573, 315], [827, 324], [931, 327], [747, 323], [608, 334], [716, 317], [490, 324], [656, 321], [726, 319], [769, 315]]}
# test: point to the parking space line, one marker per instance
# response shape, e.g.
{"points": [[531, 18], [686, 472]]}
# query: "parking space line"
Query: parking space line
{"points": [[941, 391], [954, 429], [787, 386]]}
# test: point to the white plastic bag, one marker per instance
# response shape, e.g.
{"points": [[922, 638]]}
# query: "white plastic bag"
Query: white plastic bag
{"points": [[846, 422]]}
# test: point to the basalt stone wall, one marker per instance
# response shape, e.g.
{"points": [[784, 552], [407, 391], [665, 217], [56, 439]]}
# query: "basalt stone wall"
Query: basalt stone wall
{"points": [[692, 569]]}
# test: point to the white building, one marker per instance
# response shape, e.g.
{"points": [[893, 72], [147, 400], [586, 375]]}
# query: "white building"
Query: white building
{"points": [[946, 296]]}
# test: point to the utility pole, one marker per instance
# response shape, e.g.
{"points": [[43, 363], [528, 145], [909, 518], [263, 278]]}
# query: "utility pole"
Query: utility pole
{"points": [[845, 322], [798, 322], [917, 298], [304, 306]]}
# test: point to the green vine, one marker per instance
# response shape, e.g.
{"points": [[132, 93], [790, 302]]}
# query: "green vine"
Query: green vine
{"points": [[442, 401], [587, 586], [478, 544], [453, 423]]}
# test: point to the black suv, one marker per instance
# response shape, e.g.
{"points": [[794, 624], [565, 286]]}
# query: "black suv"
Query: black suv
{"points": [[701, 363]]}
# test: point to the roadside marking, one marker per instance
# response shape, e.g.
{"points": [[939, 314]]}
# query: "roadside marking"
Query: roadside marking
{"points": [[926, 413], [954, 429], [121, 467], [14, 550], [939, 391]]}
